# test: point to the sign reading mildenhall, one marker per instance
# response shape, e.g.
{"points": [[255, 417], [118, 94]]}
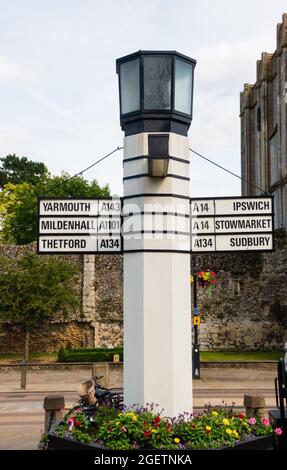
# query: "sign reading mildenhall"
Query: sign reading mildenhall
{"points": [[80, 225]]}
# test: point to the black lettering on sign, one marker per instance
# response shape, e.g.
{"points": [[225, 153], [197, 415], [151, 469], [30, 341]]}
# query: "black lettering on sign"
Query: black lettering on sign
{"points": [[200, 207], [250, 242], [109, 243], [109, 225], [110, 206], [64, 243], [198, 225], [252, 205], [203, 243], [67, 206]]}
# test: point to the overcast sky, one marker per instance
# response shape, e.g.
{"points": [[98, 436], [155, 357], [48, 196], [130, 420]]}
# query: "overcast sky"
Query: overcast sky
{"points": [[58, 84]]}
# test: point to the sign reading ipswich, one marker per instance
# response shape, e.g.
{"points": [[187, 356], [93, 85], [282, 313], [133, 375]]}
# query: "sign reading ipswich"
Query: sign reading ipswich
{"points": [[85, 225], [232, 224]]}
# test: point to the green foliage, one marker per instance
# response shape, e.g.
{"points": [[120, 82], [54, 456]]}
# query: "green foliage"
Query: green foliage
{"points": [[19, 203], [34, 288], [89, 355], [18, 170], [62, 354], [77, 424]]}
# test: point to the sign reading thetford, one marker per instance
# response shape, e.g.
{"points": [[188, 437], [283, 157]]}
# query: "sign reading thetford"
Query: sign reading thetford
{"points": [[80, 225], [232, 224]]}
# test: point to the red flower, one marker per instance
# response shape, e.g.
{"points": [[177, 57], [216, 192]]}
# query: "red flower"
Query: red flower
{"points": [[241, 416], [157, 419], [110, 430], [155, 425], [78, 424], [147, 433]]}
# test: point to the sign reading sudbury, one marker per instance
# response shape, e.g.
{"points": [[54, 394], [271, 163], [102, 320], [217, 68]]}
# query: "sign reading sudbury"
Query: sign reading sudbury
{"points": [[79, 225], [232, 224], [91, 225]]}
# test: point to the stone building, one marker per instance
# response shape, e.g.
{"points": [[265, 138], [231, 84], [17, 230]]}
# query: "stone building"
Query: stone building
{"points": [[263, 112]]}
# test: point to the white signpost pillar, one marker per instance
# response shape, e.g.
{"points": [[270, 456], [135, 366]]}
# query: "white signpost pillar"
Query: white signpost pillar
{"points": [[156, 230], [157, 307]]}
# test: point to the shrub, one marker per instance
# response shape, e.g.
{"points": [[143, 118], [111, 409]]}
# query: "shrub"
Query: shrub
{"points": [[62, 354], [89, 355]]}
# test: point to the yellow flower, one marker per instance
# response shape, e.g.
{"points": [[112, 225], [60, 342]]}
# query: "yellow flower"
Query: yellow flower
{"points": [[117, 423], [225, 422], [153, 430], [228, 431], [214, 413], [207, 428], [235, 434], [132, 415], [176, 440]]}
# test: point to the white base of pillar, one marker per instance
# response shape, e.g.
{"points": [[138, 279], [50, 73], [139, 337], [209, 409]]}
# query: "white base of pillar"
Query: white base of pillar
{"points": [[157, 321]]}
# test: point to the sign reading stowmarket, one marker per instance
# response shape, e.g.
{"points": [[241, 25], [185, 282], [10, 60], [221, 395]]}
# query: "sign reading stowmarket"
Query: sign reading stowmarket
{"points": [[232, 224], [80, 225]]}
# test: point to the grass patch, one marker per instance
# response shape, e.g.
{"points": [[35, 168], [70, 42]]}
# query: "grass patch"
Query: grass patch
{"points": [[205, 356], [212, 356], [33, 357]]}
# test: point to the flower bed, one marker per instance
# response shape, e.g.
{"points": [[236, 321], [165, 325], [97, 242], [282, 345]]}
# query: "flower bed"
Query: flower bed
{"points": [[143, 428]]}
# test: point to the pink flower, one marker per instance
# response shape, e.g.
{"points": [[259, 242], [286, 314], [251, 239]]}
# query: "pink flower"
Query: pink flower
{"points": [[71, 422], [124, 429], [252, 421], [265, 421], [278, 431]]}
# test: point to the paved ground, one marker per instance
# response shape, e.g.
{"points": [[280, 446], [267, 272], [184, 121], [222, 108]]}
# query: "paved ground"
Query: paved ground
{"points": [[22, 416]]}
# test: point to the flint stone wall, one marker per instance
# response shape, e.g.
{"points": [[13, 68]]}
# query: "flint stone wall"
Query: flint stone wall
{"points": [[246, 309]]}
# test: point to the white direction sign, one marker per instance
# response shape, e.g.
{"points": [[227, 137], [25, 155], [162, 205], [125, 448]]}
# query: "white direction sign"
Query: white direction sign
{"points": [[80, 225], [232, 224]]}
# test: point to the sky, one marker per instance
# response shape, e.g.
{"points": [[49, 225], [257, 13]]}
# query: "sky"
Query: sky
{"points": [[59, 90]]}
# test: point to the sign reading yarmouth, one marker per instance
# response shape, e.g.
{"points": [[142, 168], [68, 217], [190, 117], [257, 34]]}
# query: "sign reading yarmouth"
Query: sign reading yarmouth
{"points": [[80, 225], [232, 224], [91, 225]]}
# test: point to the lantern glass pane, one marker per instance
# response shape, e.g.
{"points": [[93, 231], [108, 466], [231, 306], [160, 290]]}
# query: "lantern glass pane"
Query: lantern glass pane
{"points": [[157, 82], [130, 86], [183, 86]]}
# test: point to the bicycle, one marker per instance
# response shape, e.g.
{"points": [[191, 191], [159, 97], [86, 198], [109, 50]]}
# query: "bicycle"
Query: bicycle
{"points": [[93, 395]]}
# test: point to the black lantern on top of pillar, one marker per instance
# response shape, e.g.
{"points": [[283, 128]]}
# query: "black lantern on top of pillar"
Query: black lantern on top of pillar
{"points": [[156, 96]]}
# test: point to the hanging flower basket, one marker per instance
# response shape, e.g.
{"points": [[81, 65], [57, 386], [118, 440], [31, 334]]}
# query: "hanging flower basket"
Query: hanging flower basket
{"points": [[205, 279]]}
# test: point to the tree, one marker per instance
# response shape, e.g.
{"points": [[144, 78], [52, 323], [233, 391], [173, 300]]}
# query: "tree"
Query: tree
{"points": [[18, 170], [19, 203], [34, 289]]}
